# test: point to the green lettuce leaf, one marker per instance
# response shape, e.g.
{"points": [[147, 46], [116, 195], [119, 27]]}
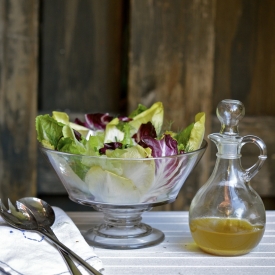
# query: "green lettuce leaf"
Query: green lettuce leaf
{"points": [[112, 132], [190, 138], [154, 114], [49, 131], [94, 143], [133, 152], [110, 187], [197, 132], [141, 108], [64, 118], [183, 137]]}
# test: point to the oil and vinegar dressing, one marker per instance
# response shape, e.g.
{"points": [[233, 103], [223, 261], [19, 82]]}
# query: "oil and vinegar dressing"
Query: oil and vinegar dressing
{"points": [[226, 236]]}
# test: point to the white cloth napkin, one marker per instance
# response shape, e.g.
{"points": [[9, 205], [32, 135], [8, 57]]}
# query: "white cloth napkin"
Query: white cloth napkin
{"points": [[29, 253]]}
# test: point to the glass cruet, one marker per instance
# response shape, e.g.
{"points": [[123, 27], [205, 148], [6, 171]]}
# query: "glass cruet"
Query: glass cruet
{"points": [[227, 216]]}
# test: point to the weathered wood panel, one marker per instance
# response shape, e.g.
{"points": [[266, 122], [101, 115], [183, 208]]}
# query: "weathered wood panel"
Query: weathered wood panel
{"points": [[18, 96], [171, 60], [171, 56], [244, 54], [261, 100], [81, 51]]}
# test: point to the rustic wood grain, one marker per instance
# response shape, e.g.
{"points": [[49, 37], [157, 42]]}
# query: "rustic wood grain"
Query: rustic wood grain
{"points": [[261, 100], [171, 60], [244, 54], [81, 51], [18, 95], [171, 56], [227, 16]]}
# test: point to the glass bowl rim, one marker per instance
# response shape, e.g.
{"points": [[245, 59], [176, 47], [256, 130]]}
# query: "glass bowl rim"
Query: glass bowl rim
{"points": [[203, 147]]}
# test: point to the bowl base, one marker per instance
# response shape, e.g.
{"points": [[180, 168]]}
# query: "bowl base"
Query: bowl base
{"points": [[140, 236]]}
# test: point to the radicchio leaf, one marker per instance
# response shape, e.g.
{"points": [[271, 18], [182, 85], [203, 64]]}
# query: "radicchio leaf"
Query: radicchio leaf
{"points": [[95, 121], [145, 130], [170, 173], [167, 146], [110, 146], [98, 121], [77, 135]]}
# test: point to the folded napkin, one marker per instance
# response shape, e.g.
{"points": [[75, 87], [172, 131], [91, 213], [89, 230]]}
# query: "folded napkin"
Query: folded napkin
{"points": [[29, 253]]}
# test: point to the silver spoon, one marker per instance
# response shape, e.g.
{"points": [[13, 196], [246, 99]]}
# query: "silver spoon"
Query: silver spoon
{"points": [[45, 218], [24, 219]]}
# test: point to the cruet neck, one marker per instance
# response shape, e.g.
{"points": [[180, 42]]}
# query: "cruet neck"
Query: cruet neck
{"points": [[228, 146]]}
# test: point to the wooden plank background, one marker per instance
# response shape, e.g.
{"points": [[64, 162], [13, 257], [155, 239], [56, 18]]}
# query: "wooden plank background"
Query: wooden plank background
{"points": [[245, 55], [18, 97], [169, 63], [81, 55], [112, 55]]}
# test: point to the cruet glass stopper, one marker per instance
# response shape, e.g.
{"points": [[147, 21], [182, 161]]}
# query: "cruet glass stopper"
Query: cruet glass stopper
{"points": [[229, 113]]}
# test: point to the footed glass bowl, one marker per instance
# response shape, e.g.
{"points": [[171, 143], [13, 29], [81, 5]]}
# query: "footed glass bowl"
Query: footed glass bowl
{"points": [[122, 189]]}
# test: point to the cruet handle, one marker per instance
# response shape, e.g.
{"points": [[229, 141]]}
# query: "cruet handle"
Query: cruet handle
{"points": [[253, 170]]}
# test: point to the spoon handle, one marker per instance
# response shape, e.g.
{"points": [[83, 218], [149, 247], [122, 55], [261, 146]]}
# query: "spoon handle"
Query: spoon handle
{"points": [[69, 251], [70, 264]]}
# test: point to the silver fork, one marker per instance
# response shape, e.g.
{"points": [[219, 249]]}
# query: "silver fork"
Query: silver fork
{"points": [[24, 219]]}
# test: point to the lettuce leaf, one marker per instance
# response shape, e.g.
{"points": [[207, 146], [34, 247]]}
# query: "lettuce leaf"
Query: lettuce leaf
{"points": [[154, 115], [197, 133], [183, 137], [142, 127], [134, 152], [49, 131], [112, 133], [110, 187], [190, 138], [69, 143], [121, 181], [64, 118], [141, 108], [94, 144]]}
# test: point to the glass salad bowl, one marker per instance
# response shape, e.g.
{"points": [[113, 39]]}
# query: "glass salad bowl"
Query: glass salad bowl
{"points": [[122, 189]]}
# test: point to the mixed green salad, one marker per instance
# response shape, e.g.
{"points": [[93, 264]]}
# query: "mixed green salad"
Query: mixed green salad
{"points": [[138, 135], [122, 169]]}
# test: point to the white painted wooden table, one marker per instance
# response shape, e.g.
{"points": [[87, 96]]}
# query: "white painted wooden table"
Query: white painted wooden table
{"points": [[178, 254]]}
